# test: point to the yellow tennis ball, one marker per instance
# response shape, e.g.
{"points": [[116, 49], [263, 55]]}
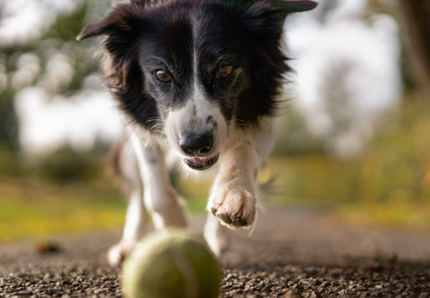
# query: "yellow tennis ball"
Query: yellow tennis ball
{"points": [[171, 264]]}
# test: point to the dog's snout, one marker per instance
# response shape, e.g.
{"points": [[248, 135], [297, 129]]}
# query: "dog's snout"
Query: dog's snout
{"points": [[197, 144]]}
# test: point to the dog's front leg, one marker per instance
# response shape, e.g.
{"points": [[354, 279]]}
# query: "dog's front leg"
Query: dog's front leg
{"points": [[160, 199], [233, 198], [136, 221]]}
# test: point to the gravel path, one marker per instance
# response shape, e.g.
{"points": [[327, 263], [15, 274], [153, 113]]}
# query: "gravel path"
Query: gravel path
{"points": [[292, 253]]}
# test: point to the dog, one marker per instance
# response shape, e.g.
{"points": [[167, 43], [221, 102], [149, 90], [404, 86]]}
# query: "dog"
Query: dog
{"points": [[199, 79]]}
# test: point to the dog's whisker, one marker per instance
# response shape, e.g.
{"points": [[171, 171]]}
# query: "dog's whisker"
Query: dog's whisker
{"points": [[160, 132], [158, 124], [152, 119]]}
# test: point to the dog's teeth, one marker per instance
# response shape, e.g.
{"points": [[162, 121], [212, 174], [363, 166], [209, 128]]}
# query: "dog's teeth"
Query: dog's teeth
{"points": [[201, 163], [198, 161]]}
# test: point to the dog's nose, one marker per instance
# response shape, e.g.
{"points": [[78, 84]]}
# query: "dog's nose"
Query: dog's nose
{"points": [[197, 144]]}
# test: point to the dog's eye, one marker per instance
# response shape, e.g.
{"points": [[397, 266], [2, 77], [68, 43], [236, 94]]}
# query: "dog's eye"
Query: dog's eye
{"points": [[224, 71], [163, 76]]}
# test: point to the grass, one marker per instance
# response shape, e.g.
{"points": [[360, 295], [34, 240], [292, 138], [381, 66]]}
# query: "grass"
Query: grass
{"points": [[393, 215], [32, 208]]}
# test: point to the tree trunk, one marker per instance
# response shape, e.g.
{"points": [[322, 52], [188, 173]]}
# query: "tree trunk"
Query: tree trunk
{"points": [[416, 18]]}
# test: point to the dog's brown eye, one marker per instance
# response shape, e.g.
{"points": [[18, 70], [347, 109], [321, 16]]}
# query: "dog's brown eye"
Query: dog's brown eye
{"points": [[224, 71], [163, 76]]}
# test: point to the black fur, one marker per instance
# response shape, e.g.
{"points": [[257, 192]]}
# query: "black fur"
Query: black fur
{"points": [[144, 36]]}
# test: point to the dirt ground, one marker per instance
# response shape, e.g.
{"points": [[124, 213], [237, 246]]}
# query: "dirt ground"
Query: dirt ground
{"points": [[292, 253]]}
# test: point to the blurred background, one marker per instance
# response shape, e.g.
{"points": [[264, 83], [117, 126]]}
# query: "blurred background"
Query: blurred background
{"points": [[353, 136]]}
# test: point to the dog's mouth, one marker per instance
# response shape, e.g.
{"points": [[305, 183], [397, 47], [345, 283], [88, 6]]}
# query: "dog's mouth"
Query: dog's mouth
{"points": [[201, 163]]}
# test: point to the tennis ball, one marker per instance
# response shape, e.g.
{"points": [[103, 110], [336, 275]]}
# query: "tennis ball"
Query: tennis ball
{"points": [[171, 264]]}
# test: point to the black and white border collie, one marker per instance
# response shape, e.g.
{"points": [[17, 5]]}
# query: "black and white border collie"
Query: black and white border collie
{"points": [[199, 79]]}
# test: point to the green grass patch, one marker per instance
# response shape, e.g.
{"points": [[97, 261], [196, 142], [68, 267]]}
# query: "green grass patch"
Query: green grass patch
{"points": [[401, 214], [32, 208]]}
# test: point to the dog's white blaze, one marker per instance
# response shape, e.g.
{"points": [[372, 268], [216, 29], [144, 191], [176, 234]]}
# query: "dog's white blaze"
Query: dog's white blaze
{"points": [[204, 109], [176, 122], [193, 118]]}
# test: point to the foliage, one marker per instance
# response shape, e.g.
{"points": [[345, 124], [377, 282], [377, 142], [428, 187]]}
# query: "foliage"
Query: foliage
{"points": [[293, 135], [67, 165], [58, 40], [397, 164], [389, 184]]}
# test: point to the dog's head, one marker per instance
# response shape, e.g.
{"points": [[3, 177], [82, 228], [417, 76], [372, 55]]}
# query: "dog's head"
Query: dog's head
{"points": [[196, 68]]}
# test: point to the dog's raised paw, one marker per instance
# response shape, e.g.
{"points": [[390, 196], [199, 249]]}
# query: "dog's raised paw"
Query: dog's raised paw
{"points": [[233, 205]]}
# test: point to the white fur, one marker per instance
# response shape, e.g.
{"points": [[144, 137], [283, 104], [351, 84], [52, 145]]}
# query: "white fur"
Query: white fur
{"points": [[192, 118], [159, 197], [136, 219], [234, 189]]}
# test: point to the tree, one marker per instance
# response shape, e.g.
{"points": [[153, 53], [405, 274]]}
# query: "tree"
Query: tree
{"points": [[416, 19]]}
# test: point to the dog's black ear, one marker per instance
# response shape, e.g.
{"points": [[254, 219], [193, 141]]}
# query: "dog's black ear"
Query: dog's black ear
{"points": [[291, 6], [116, 21], [94, 29]]}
